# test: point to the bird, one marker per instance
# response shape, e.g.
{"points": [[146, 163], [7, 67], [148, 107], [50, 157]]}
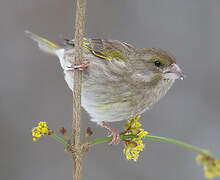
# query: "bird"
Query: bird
{"points": [[118, 80]]}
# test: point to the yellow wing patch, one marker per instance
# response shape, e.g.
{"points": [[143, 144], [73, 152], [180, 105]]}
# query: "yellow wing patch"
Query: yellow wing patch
{"points": [[106, 53]]}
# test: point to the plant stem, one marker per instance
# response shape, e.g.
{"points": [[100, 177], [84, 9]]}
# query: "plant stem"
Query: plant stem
{"points": [[178, 143], [155, 138], [77, 86], [59, 139]]}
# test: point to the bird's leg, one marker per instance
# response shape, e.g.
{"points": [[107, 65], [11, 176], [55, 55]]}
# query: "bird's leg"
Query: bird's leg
{"points": [[80, 67], [114, 132]]}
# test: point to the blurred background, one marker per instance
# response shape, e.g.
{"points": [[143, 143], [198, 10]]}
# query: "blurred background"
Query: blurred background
{"points": [[32, 87]]}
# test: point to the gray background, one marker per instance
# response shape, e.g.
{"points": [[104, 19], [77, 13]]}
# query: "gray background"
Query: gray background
{"points": [[32, 87]]}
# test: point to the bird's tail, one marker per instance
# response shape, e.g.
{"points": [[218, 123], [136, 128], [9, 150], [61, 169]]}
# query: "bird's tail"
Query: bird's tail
{"points": [[44, 44]]}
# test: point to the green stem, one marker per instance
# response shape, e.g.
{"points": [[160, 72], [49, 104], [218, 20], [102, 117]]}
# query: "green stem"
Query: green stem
{"points": [[59, 139], [155, 138], [178, 143], [105, 139]]}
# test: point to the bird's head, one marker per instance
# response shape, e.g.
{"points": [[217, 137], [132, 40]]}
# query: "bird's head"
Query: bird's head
{"points": [[162, 62]]}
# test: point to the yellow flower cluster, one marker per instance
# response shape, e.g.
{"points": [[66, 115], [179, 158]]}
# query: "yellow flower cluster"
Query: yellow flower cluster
{"points": [[40, 130], [134, 146], [211, 166]]}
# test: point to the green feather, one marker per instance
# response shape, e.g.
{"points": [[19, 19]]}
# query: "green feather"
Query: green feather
{"points": [[107, 53]]}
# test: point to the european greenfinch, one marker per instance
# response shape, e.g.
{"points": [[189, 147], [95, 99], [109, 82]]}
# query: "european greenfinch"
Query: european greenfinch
{"points": [[119, 80]]}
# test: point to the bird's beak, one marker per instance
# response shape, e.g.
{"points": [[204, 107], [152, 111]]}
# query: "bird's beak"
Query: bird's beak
{"points": [[174, 72]]}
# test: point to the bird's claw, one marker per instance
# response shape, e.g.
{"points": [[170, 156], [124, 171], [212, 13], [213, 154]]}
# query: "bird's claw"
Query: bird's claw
{"points": [[115, 137], [114, 133], [80, 67]]}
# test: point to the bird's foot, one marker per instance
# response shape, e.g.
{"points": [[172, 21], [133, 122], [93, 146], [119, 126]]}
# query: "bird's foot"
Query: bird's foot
{"points": [[80, 67], [114, 132]]}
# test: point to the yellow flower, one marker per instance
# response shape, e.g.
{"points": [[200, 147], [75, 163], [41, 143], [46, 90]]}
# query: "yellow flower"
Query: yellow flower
{"points": [[211, 166], [40, 130], [134, 146]]}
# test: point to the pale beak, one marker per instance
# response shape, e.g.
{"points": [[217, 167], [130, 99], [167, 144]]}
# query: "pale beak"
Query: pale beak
{"points": [[174, 72]]}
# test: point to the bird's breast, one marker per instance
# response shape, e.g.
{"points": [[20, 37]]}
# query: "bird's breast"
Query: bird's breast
{"points": [[111, 92]]}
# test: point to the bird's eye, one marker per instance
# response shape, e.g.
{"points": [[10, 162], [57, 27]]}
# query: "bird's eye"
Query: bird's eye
{"points": [[157, 63]]}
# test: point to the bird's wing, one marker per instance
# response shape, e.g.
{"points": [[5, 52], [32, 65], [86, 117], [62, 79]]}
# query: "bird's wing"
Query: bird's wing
{"points": [[109, 49], [106, 49]]}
